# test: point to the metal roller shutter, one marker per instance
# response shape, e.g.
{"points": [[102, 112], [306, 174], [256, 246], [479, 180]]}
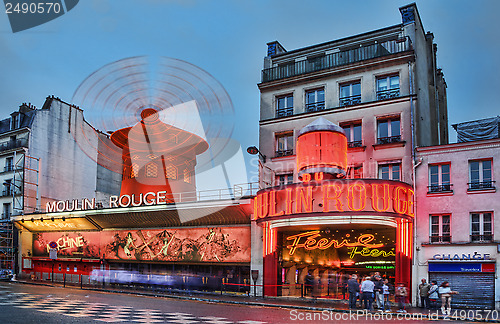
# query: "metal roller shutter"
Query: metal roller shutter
{"points": [[476, 290]]}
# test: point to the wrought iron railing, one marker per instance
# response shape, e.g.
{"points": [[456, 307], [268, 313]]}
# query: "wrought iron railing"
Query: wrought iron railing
{"points": [[284, 153], [350, 101], [481, 185], [13, 144], [340, 58], [440, 238], [389, 139], [352, 144], [481, 237], [315, 106], [387, 94], [439, 188], [283, 112]]}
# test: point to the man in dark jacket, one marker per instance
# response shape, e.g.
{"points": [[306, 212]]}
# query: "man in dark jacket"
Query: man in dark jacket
{"points": [[379, 296], [353, 288]]}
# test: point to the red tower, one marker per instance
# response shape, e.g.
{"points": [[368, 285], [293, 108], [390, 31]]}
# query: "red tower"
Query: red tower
{"points": [[158, 157]]}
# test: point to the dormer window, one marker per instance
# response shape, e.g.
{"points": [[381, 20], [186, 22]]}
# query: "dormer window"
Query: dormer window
{"points": [[15, 121]]}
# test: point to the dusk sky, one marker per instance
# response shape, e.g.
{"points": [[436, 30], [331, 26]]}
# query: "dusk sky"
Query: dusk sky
{"points": [[228, 40]]}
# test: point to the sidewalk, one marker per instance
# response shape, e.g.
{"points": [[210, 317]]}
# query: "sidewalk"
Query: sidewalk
{"points": [[304, 304]]}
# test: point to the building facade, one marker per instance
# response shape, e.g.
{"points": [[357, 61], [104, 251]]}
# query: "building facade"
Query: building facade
{"points": [[457, 201], [384, 89]]}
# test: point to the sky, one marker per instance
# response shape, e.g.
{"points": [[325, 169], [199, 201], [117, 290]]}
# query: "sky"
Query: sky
{"points": [[228, 40]]}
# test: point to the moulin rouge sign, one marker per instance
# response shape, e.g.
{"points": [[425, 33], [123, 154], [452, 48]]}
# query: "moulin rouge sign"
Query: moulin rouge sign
{"points": [[330, 196]]}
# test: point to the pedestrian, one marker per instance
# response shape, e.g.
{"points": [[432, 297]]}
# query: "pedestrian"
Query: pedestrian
{"points": [[386, 294], [423, 289], [353, 288], [445, 292], [379, 296], [400, 295], [367, 287], [433, 295], [309, 282]]}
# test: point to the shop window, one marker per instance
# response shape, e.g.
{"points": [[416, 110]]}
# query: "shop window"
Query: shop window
{"points": [[187, 176], [440, 229], [389, 130], [315, 100], [75, 269], [284, 144], [134, 171], [350, 94], [390, 171], [480, 175], [284, 179], [353, 133], [481, 227], [387, 87], [151, 170], [355, 172], [439, 178], [171, 172], [284, 106]]}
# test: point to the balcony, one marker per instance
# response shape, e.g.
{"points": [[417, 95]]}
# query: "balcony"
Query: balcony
{"points": [[315, 106], [387, 94], [336, 59], [481, 237], [350, 101], [439, 188], [13, 144], [389, 139], [485, 185], [440, 239], [284, 112], [6, 192], [284, 153], [353, 144]]}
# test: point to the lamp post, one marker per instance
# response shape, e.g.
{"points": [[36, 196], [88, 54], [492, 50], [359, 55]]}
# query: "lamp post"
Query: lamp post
{"points": [[254, 150]]}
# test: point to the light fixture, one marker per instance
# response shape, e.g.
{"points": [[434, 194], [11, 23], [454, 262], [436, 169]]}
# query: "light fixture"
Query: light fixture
{"points": [[64, 219], [52, 218], [41, 219], [254, 150]]}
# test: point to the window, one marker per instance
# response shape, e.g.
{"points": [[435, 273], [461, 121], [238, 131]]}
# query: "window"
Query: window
{"points": [[480, 175], [171, 172], [9, 164], [15, 119], [134, 171], [440, 229], [284, 144], [284, 106], [387, 87], [187, 176], [7, 187], [315, 100], [439, 178], [353, 134], [389, 130], [350, 94], [6, 211], [390, 171], [151, 170], [481, 227], [285, 179], [355, 172]]}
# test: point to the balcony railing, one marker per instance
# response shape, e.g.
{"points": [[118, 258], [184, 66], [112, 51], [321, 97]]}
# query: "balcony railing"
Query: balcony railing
{"points": [[8, 168], [481, 185], [6, 192], [390, 139], [284, 112], [440, 188], [387, 94], [481, 237], [350, 101], [13, 144], [284, 153], [440, 239], [355, 144], [336, 59], [315, 106]]}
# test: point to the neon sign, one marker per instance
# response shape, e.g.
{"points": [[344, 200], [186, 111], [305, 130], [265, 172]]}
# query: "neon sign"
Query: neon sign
{"points": [[311, 242], [367, 195]]}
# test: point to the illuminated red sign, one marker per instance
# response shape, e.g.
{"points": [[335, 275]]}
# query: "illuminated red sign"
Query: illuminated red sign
{"points": [[366, 195]]}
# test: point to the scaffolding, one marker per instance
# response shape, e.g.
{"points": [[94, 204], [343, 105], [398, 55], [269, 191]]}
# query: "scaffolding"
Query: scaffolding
{"points": [[6, 246]]}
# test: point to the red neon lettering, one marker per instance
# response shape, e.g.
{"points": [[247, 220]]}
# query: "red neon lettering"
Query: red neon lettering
{"points": [[272, 205], [306, 177], [362, 196], [318, 176], [411, 204], [263, 204], [400, 204], [384, 198], [303, 198], [289, 201], [326, 197]]}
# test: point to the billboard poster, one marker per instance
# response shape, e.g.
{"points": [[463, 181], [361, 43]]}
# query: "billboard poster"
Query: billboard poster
{"points": [[214, 244]]}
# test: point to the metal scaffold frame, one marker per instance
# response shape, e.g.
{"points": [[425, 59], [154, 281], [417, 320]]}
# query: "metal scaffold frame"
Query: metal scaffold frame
{"points": [[6, 246]]}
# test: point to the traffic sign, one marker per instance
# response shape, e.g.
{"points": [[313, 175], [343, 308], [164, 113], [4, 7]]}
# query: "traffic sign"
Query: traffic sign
{"points": [[53, 245]]}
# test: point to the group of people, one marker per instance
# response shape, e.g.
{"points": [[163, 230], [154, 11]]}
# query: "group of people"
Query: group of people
{"points": [[432, 294], [375, 288]]}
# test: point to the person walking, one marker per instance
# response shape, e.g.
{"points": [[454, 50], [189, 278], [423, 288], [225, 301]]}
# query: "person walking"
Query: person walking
{"points": [[423, 289], [367, 287], [433, 295], [353, 289], [446, 292], [400, 295], [309, 282], [379, 296], [386, 292]]}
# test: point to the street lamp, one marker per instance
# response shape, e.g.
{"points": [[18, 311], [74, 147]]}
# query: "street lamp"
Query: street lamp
{"points": [[254, 150]]}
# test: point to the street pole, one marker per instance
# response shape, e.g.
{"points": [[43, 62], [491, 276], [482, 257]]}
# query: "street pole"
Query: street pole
{"points": [[52, 276]]}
